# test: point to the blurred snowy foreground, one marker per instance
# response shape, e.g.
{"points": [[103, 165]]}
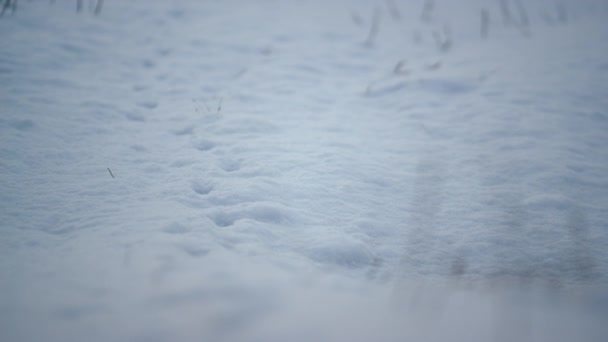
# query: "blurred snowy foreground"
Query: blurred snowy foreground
{"points": [[282, 170]]}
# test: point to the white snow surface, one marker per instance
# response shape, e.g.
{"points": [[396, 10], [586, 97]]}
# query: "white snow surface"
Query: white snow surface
{"points": [[282, 171]]}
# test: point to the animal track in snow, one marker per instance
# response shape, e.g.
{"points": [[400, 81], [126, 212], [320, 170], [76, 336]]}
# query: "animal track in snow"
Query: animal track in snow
{"points": [[175, 228], [230, 165], [135, 117], [188, 130], [261, 212], [204, 145], [182, 162], [148, 104], [447, 86], [201, 188], [193, 250]]}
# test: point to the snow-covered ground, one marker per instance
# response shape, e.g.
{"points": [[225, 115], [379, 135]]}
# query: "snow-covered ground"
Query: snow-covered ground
{"points": [[272, 170]]}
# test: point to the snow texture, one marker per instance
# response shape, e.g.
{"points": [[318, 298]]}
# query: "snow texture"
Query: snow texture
{"points": [[282, 170]]}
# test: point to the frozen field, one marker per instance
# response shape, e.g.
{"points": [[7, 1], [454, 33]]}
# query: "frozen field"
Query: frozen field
{"points": [[272, 170]]}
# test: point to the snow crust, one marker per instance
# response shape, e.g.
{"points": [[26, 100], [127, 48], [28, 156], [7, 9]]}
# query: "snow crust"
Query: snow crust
{"points": [[279, 170]]}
